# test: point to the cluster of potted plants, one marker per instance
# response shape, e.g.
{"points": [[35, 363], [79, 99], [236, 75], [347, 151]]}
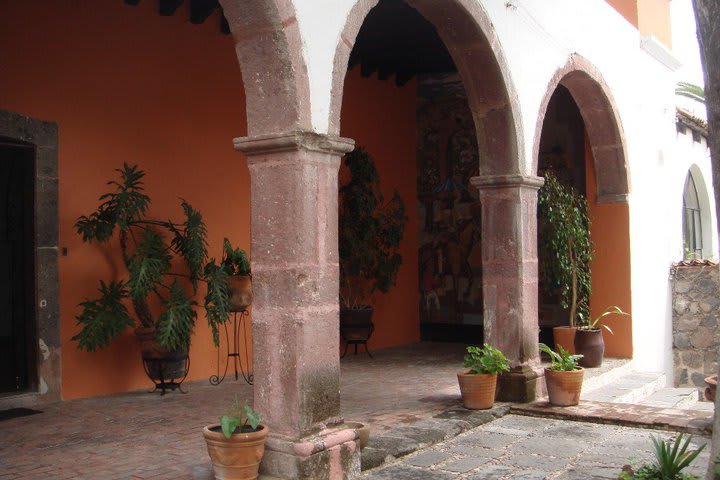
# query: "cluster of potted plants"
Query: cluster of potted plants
{"points": [[166, 261]]}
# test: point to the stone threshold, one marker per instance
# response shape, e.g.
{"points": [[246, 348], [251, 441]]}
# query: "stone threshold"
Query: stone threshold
{"points": [[398, 442], [695, 422]]}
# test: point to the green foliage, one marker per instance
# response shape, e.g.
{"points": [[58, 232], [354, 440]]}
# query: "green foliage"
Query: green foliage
{"points": [[690, 90], [486, 360], [148, 256], [565, 248], [103, 319], [239, 415], [370, 232], [561, 361], [595, 323], [235, 260], [670, 459]]}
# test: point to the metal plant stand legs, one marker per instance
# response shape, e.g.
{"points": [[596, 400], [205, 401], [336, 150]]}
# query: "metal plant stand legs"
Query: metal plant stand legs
{"points": [[240, 367]]}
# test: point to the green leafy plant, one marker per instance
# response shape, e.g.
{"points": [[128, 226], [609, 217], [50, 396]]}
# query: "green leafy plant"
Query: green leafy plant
{"points": [[370, 231], [671, 457], [691, 90], [565, 248], [149, 248], [241, 418], [561, 361], [486, 360], [595, 324]]}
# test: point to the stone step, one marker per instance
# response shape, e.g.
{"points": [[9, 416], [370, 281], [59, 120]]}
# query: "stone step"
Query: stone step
{"points": [[633, 387], [673, 398]]}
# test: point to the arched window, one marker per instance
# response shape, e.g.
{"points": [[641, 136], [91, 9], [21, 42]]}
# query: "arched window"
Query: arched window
{"points": [[692, 220]]}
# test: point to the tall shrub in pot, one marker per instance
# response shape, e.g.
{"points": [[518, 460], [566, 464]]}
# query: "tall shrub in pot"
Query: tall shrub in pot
{"points": [[369, 234], [565, 250]]}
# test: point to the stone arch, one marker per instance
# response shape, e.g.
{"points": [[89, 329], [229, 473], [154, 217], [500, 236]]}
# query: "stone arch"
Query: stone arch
{"points": [[468, 34], [269, 49], [602, 123]]}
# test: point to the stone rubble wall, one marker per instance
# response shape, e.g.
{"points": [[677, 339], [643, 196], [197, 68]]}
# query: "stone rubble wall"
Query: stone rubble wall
{"points": [[696, 330]]}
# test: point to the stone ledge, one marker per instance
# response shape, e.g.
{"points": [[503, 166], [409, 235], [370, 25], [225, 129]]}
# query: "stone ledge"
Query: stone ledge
{"points": [[623, 414], [405, 440]]}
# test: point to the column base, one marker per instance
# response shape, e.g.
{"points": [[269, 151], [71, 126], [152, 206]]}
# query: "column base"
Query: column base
{"points": [[522, 384], [332, 454]]}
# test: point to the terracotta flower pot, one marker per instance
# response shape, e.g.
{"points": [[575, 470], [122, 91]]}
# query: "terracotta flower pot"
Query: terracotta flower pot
{"points": [[565, 337], [363, 431], [241, 294], [477, 389], [564, 387], [237, 457], [711, 389], [590, 343]]}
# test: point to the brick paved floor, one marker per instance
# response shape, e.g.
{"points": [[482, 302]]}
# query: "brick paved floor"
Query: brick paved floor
{"points": [[529, 448]]}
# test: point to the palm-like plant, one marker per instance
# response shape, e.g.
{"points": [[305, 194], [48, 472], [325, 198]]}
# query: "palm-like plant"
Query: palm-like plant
{"points": [[148, 248], [690, 90]]}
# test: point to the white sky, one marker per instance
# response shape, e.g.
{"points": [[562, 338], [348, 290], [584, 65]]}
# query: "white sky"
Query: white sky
{"points": [[684, 39]]}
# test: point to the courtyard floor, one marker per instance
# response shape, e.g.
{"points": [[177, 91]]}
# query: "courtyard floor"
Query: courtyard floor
{"points": [[141, 435]]}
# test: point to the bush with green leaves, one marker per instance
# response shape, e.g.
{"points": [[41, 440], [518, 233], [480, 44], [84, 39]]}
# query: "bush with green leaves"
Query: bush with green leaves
{"points": [[149, 248], [671, 458], [565, 249], [561, 361], [595, 324], [486, 360], [369, 233], [239, 419]]}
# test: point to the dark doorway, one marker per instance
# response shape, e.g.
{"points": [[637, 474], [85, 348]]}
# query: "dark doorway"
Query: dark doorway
{"points": [[17, 268]]}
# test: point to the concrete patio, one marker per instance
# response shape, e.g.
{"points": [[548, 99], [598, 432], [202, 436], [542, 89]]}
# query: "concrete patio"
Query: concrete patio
{"points": [[408, 395]]}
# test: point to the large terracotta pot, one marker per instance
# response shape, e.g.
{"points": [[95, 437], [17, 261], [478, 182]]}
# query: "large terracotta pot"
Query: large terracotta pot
{"points": [[477, 389], [564, 387], [711, 389], [161, 364], [237, 457], [241, 294], [565, 336], [591, 345]]}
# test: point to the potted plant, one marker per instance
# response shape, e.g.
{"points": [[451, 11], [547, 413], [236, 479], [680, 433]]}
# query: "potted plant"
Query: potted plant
{"points": [[564, 377], [478, 381], [149, 249], [565, 252], [370, 230], [236, 266], [589, 340], [236, 445], [671, 458]]}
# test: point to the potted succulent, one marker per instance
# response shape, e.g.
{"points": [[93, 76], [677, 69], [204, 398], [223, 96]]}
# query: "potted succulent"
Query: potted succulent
{"points": [[236, 445], [149, 249], [589, 340], [671, 458], [564, 377], [370, 230], [565, 252], [478, 381]]}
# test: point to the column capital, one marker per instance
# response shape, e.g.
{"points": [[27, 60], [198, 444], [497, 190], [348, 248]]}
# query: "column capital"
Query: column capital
{"points": [[492, 182], [294, 141]]}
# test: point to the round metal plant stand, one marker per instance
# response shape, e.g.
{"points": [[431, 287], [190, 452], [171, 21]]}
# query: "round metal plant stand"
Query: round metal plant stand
{"points": [[241, 368]]}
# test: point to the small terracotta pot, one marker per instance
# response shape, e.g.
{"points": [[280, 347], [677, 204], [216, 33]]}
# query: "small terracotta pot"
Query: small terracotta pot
{"points": [[565, 336], [564, 387], [477, 389], [711, 389], [241, 294], [237, 457], [363, 431], [591, 345]]}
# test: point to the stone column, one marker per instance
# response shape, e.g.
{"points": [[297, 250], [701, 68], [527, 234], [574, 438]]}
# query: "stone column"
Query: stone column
{"points": [[294, 188], [510, 278]]}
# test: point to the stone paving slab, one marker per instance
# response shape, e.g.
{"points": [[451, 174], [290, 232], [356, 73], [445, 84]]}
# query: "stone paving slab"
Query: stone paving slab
{"points": [[522, 447], [645, 416]]}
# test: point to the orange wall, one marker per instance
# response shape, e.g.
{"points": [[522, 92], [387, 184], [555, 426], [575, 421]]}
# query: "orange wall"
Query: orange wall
{"points": [[610, 232], [626, 8], [125, 85], [380, 116], [650, 17]]}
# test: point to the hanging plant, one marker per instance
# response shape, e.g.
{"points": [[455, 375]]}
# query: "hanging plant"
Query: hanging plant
{"points": [[565, 249]]}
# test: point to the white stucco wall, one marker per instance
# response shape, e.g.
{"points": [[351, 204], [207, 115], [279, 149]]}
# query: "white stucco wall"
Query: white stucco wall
{"points": [[536, 38]]}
